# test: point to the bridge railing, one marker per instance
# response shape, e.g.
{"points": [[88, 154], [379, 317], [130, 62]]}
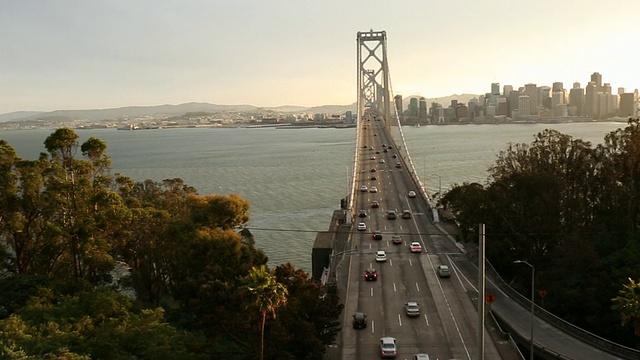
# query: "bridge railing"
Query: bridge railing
{"points": [[567, 327], [587, 337]]}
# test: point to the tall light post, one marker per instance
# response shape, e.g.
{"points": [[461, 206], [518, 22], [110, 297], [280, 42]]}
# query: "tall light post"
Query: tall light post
{"points": [[439, 185], [533, 279]]}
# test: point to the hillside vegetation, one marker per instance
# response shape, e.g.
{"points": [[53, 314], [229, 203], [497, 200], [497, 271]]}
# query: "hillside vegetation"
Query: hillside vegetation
{"points": [[570, 210], [97, 266]]}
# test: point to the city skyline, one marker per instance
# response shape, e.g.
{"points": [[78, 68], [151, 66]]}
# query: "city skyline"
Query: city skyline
{"points": [[117, 54]]}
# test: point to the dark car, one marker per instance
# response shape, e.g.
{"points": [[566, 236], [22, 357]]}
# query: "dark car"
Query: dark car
{"points": [[394, 156], [374, 177], [390, 147], [371, 274], [376, 235], [375, 204], [359, 320], [373, 170], [362, 213], [391, 215]]}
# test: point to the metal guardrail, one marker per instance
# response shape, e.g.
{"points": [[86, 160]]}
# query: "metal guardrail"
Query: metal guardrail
{"points": [[590, 338], [576, 332]]}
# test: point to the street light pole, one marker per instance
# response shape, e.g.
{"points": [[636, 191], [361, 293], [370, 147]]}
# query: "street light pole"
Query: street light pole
{"points": [[439, 185], [533, 279]]}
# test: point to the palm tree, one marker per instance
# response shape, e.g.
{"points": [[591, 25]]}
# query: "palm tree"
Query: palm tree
{"points": [[268, 294], [628, 304]]}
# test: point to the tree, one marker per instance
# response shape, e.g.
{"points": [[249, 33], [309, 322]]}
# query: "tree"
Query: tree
{"points": [[627, 304], [268, 294]]}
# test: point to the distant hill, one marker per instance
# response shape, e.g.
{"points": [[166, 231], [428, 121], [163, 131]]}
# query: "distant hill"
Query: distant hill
{"points": [[17, 115], [192, 107]]}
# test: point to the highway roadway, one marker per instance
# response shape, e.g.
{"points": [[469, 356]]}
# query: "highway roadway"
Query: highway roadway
{"points": [[446, 327]]}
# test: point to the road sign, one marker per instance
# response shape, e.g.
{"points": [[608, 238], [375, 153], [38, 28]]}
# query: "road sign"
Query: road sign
{"points": [[543, 293], [490, 298]]}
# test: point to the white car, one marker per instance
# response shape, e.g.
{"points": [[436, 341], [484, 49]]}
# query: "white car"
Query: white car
{"points": [[415, 247], [363, 188], [412, 194], [443, 271], [362, 226], [373, 189], [381, 256]]}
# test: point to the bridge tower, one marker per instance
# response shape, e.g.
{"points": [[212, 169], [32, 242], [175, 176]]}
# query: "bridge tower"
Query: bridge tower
{"points": [[374, 86]]}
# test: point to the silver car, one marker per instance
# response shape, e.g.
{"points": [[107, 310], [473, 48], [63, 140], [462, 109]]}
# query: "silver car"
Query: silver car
{"points": [[388, 347], [411, 308]]}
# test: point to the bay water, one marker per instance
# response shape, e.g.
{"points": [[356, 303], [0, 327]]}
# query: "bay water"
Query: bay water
{"points": [[294, 178]]}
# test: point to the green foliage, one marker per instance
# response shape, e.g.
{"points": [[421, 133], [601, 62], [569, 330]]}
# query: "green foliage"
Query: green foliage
{"points": [[569, 209], [202, 290]]}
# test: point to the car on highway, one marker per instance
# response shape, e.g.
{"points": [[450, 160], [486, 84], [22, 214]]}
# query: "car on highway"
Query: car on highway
{"points": [[415, 247], [374, 177], [443, 271], [406, 214], [421, 357], [394, 156], [396, 239], [390, 147], [359, 320], [411, 308], [381, 256], [398, 165], [375, 134], [371, 274], [364, 146], [362, 213], [363, 188], [376, 235], [385, 150], [375, 203], [362, 226], [377, 152], [388, 347], [392, 215], [381, 161], [373, 189], [372, 158], [373, 170], [412, 194]]}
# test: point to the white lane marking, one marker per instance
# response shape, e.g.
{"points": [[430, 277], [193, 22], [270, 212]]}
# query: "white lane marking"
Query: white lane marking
{"points": [[417, 287], [410, 263], [394, 287], [390, 262], [426, 319], [373, 326], [371, 291], [400, 319]]}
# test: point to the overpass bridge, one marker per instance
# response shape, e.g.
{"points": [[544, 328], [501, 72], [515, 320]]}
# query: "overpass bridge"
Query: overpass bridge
{"points": [[449, 324]]}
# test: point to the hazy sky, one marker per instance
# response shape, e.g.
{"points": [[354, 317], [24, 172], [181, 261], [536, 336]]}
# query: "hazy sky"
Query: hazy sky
{"points": [[82, 54]]}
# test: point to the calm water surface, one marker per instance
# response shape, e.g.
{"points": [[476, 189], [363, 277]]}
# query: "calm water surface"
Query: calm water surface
{"points": [[294, 178]]}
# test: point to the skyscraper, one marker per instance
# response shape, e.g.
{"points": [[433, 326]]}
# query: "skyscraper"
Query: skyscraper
{"points": [[531, 90], [506, 90], [557, 86], [524, 104], [398, 102], [596, 78], [495, 88], [576, 99]]}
